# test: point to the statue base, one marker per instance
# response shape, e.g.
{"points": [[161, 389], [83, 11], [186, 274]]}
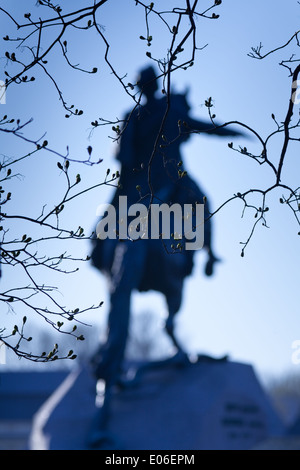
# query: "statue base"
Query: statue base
{"points": [[170, 405]]}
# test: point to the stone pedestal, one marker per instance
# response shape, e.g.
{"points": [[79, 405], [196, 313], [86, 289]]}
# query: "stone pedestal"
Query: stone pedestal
{"points": [[204, 405]]}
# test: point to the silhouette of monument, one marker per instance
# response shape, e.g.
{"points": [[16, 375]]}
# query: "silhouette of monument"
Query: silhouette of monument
{"points": [[151, 170], [176, 403]]}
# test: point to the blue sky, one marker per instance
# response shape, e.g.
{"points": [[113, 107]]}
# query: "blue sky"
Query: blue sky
{"points": [[250, 308]]}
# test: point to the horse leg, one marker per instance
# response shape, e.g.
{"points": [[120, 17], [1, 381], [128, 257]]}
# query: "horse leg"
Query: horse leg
{"points": [[109, 358], [174, 302]]}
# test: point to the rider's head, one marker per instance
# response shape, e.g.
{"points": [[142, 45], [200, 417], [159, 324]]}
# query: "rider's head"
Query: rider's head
{"points": [[147, 82]]}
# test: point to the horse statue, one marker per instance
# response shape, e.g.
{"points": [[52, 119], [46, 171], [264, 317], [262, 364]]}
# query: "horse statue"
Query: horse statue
{"points": [[151, 170]]}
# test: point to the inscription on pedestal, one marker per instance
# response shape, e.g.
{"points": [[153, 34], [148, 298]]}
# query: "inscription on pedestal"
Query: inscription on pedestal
{"points": [[242, 421]]}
